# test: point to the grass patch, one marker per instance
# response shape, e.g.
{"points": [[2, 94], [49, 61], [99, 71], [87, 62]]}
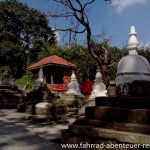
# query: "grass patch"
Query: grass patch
{"points": [[25, 81]]}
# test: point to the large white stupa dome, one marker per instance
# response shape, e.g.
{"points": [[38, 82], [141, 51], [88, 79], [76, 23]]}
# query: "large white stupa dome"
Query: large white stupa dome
{"points": [[133, 66], [131, 63]]}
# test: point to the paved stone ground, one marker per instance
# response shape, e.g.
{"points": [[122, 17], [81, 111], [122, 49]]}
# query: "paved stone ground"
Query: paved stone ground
{"points": [[16, 133]]}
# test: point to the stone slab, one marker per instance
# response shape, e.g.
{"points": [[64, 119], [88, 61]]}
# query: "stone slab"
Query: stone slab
{"points": [[116, 114], [124, 102], [127, 127], [91, 132]]}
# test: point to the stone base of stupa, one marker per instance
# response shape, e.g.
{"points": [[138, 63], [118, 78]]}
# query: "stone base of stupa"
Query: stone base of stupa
{"points": [[43, 110], [116, 120]]}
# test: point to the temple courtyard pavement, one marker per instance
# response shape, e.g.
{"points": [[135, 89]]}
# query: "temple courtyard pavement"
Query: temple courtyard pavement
{"points": [[19, 133]]}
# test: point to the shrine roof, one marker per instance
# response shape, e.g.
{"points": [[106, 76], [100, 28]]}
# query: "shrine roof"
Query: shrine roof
{"points": [[51, 60]]}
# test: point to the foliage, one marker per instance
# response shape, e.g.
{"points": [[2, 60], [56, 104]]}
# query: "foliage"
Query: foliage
{"points": [[12, 55], [59, 107], [86, 65], [22, 81], [58, 102], [145, 52], [25, 81], [50, 50], [21, 27], [3, 69], [115, 55]]}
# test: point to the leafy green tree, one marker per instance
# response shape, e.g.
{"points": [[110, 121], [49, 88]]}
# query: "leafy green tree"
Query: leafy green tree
{"points": [[51, 50], [115, 55], [86, 66], [21, 27], [12, 55], [145, 51]]}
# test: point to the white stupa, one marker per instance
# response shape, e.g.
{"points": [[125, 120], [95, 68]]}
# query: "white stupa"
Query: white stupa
{"points": [[73, 86], [133, 71], [133, 66], [99, 88], [40, 79]]}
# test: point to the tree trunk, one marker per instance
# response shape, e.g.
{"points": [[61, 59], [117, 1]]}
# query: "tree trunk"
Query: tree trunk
{"points": [[104, 71]]}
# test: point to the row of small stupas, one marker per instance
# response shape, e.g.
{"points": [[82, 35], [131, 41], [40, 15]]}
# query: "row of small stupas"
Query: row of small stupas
{"points": [[132, 78], [73, 88]]}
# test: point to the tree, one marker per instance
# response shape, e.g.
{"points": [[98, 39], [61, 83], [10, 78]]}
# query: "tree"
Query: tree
{"points": [[86, 66], [145, 51], [11, 55], [75, 12], [21, 27]]}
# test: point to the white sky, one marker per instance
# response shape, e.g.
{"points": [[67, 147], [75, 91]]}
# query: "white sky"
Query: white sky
{"points": [[121, 5]]}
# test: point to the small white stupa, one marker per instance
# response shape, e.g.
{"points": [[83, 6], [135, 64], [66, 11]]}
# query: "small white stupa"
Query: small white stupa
{"points": [[73, 86], [99, 88], [40, 79]]}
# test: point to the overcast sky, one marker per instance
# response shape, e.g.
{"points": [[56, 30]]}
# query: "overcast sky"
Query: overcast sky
{"points": [[112, 19]]}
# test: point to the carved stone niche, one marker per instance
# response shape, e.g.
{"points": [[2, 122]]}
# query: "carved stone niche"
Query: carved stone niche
{"points": [[123, 90], [134, 89]]}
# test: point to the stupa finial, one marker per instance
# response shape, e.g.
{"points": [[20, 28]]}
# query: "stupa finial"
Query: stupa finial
{"points": [[132, 31], [133, 44]]}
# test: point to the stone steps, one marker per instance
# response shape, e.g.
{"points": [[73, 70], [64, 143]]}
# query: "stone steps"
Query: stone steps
{"points": [[118, 126], [8, 87], [9, 91], [124, 102], [112, 120], [8, 105], [9, 97], [115, 114], [100, 135]]}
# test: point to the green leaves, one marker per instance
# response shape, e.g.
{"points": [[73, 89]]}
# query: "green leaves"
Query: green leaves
{"points": [[20, 27]]}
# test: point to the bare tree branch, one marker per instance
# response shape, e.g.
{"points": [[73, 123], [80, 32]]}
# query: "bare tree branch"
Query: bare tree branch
{"points": [[79, 23], [70, 29], [61, 15], [88, 4]]}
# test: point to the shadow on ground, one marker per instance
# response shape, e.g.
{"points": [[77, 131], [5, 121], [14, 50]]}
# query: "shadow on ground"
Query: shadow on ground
{"points": [[16, 134]]}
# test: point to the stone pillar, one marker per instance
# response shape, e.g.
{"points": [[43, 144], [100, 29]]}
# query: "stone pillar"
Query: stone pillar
{"points": [[112, 89], [52, 79]]}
